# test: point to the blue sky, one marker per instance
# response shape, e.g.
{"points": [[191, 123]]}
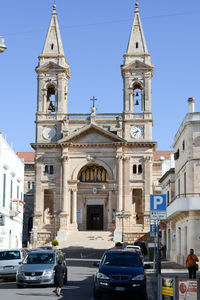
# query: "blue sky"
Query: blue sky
{"points": [[95, 34]]}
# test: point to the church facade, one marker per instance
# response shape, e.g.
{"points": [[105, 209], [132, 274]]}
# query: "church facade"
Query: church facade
{"points": [[93, 169]]}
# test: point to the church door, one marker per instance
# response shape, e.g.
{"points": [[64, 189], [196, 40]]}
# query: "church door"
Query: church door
{"points": [[94, 217]]}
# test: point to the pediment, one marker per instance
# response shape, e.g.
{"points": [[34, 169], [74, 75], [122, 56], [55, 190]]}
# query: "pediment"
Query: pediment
{"points": [[51, 66], [137, 65], [91, 134]]}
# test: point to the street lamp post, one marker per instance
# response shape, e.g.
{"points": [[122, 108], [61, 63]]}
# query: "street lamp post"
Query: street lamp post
{"points": [[122, 215], [54, 217], [2, 45]]}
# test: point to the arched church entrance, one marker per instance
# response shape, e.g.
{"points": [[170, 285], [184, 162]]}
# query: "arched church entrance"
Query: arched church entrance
{"points": [[93, 198]]}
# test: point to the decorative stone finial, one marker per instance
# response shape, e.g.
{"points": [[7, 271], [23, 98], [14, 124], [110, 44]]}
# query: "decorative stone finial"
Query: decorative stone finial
{"points": [[54, 7], [136, 6]]}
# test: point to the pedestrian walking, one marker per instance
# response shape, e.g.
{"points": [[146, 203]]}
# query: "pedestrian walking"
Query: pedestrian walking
{"points": [[191, 263], [59, 270]]}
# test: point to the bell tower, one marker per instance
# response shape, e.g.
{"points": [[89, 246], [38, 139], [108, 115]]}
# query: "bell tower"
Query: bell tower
{"points": [[53, 74], [137, 72]]}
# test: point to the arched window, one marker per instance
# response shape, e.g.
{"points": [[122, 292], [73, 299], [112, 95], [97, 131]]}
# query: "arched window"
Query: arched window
{"points": [[29, 185], [139, 169], [46, 169], [136, 45], [93, 173], [134, 169]]}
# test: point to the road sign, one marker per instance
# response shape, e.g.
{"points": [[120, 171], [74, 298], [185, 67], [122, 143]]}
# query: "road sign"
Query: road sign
{"points": [[152, 230], [158, 215], [152, 227], [158, 202], [34, 228]]}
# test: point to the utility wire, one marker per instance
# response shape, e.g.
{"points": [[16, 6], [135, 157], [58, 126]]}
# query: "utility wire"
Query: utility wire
{"points": [[105, 22]]}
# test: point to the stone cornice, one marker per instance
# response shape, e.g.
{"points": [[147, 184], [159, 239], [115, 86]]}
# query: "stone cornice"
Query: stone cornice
{"points": [[44, 145], [97, 145]]}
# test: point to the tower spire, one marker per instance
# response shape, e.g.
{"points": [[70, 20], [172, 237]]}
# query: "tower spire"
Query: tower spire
{"points": [[53, 43], [137, 41]]}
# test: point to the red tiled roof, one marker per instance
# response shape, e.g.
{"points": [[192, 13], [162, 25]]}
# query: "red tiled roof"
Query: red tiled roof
{"points": [[165, 154], [27, 156]]}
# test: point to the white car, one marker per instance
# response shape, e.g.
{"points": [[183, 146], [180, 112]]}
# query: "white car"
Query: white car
{"points": [[137, 249], [9, 262]]}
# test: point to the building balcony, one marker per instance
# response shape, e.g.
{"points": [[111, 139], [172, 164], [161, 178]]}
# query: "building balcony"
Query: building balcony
{"points": [[183, 203], [16, 207]]}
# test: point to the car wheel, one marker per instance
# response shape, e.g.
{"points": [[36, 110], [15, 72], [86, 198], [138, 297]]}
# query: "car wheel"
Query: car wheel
{"points": [[144, 297], [96, 294]]}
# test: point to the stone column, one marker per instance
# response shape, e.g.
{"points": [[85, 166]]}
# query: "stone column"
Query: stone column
{"points": [[110, 207], [120, 184], [131, 101], [147, 189], [64, 183], [39, 194], [74, 206]]}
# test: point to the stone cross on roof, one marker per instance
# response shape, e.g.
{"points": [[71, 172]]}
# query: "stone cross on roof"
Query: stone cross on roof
{"points": [[93, 99]]}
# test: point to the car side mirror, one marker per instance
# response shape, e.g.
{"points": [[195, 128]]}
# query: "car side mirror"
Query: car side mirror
{"points": [[147, 266], [96, 264]]}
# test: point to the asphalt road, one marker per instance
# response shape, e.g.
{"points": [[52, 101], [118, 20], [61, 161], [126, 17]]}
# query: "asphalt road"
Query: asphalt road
{"points": [[79, 287]]}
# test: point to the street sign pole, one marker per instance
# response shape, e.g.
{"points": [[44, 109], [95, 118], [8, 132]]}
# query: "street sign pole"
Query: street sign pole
{"points": [[158, 212], [158, 259]]}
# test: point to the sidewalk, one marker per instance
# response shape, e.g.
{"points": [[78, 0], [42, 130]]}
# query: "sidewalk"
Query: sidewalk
{"points": [[170, 268]]}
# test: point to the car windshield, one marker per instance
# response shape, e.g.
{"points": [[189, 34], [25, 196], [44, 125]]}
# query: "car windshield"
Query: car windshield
{"points": [[9, 255], [39, 258], [122, 259]]}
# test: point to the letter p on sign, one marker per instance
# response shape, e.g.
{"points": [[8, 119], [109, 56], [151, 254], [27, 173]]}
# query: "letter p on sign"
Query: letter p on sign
{"points": [[158, 202]]}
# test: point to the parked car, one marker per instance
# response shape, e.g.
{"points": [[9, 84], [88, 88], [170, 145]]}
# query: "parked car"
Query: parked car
{"points": [[9, 262], [137, 249], [142, 246], [120, 270], [45, 248], [38, 268]]}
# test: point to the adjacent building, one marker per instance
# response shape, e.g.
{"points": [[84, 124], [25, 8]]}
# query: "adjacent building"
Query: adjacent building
{"points": [[181, 184], [29, 190], [11, 196]]}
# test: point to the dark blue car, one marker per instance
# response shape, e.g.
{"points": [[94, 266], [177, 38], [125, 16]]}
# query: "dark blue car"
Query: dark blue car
{"points": [[120, 271]]}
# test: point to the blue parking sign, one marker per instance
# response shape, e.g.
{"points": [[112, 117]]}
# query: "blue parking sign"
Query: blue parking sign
{"points": [[152, 227], [158, 202]]}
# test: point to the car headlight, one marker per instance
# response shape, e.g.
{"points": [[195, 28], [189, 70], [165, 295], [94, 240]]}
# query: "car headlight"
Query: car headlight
{"points": [[102, 276], [47, 272], [138, 277]]}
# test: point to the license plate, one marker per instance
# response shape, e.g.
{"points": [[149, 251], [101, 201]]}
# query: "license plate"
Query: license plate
{"points": [[8, 268], [119, 288], [31, 278]]}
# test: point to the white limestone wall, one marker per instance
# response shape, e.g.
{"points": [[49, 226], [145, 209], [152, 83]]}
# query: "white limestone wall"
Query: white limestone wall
{"points": [[13, 168], [183, 235]]}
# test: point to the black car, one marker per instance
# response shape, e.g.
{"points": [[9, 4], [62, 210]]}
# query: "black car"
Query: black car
{"points": [[120, 270], [142, 246]]}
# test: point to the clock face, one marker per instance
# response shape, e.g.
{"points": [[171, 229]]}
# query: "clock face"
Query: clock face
{"points": [[136, 131], [49, 132]]}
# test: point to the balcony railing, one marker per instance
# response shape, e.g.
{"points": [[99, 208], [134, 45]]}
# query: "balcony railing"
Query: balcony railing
{"points": [[185, 195]]}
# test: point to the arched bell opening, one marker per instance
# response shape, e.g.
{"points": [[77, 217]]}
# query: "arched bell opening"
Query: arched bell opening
{"points": [[51, 99], [92, 205], [137, 91]]}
